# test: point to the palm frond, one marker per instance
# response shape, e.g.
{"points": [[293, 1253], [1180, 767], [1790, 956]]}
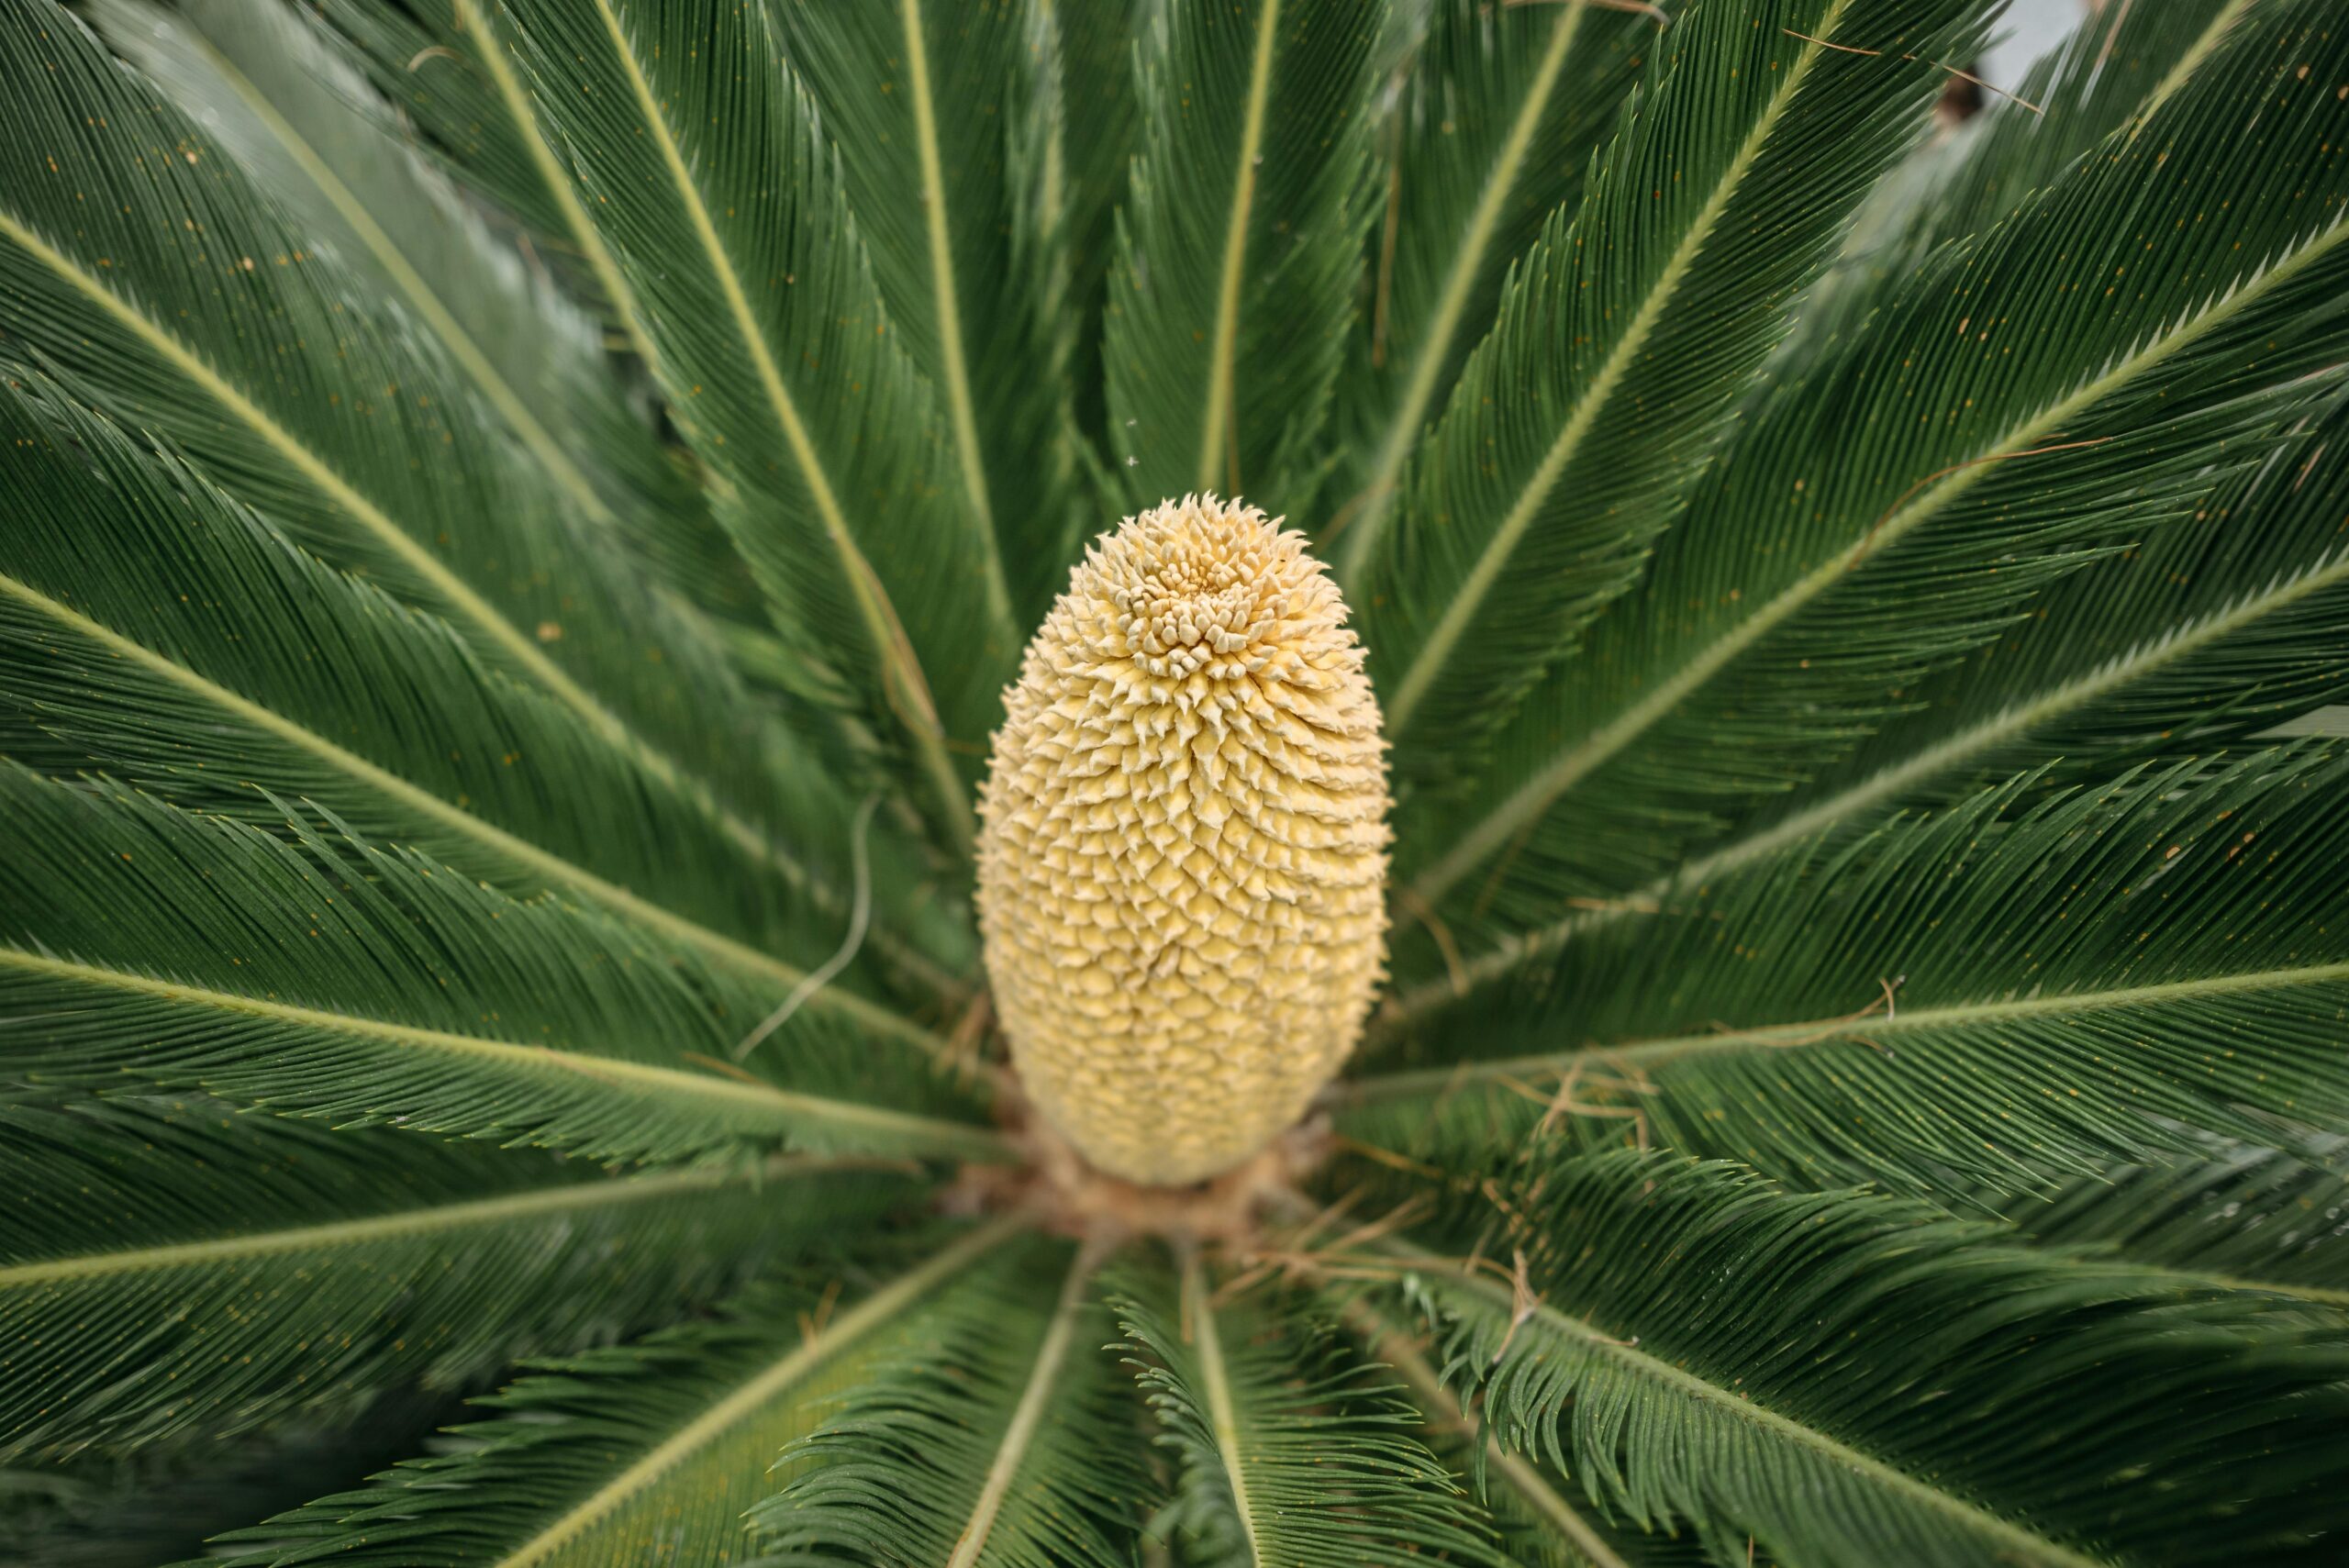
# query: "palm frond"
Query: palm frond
{"points": [[2237, 1216], [958, 107], [1292, 1452], [316, 974], [1839, 1379], [161, 1504], [1239, 246], [140, 263], [1627, 339], [2111, 72], [274, 90], [1497, 116], [2210, 633], [2079, 376], [1958, 999], [134, 595], [699, 157], [471, 115], [648, 1452], [1093, 121], [170, 1267], [1001, 1438], [1541, 1524]]}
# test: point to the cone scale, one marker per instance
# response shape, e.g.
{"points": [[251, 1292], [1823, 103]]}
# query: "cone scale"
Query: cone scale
{"points": [[1183, 849]]}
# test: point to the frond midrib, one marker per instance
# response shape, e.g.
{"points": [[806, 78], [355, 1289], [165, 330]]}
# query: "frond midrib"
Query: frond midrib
{"points": [[954, 357], [772, 1381], [551, 455], [2205, 44], [786, 1106], [332, 1234], [2017, 721], [1028, 1416], [1435, 343], [1532, 799], [1224, 347], [581, 229], [1494, 558], [539, 861], [1388, 1343], [2030, 1546], [1826, 1031], [1215, 1381], [891, 646]]}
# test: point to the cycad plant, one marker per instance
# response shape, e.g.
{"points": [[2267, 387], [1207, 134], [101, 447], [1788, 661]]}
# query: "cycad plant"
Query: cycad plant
{"points": [[1677, 894]]}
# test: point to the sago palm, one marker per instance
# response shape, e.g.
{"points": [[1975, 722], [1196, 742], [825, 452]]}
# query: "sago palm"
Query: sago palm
{"points": [[1663, 882]]}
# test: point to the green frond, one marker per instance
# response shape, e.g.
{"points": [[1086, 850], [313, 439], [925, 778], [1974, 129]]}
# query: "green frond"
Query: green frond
{"points": [[1292, 1452], [275, 91], [134, 595], [2076, 378], [2237, 1216], [169, 1267], [2113, 68], [646, 1452], [951, 129], [1851, 1379], [1239, 246], [2111, 72], [2210, 633], [1963, 998], [139, 264], [1626, 340], [426, 61], [320, 975], [1541, 1524], [1093, 120], [2215, 629], [1001, 1438], [1492, 124], [698, 154], [161, 1504]]}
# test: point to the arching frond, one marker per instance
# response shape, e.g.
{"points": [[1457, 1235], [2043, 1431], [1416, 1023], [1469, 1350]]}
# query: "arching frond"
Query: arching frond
{"points": [[1291, 1451], [2239, 1216], [699, 158], [605, 1460], [1001, 1438], [169, 1267], [1490, 126], [282, 95], [1544, 1523], [956, 105], [2072, 379], [318, 974], [1957, 997], [134, 593], [2210, 633], [1626, 340], [1841, 1379], [140, 262], [1238, 246]]}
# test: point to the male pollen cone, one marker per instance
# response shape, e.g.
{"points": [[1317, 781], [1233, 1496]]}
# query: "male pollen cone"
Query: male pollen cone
{"points": [[1182, 852]]}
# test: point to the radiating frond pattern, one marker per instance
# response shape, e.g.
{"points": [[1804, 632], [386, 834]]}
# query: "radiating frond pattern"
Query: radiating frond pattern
{"points": [[517, 520]]}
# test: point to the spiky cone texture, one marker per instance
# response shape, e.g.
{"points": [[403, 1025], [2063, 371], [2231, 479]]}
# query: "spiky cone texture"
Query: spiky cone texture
{"points": [[1184, 844]]}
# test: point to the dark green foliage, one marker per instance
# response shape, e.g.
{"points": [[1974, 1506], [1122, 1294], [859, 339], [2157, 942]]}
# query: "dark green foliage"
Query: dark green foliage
{"points": [[1705, 1347], [515, 515]]}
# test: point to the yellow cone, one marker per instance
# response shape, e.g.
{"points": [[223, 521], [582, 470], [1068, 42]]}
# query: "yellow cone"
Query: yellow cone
{"points": [[1183, 853]]}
